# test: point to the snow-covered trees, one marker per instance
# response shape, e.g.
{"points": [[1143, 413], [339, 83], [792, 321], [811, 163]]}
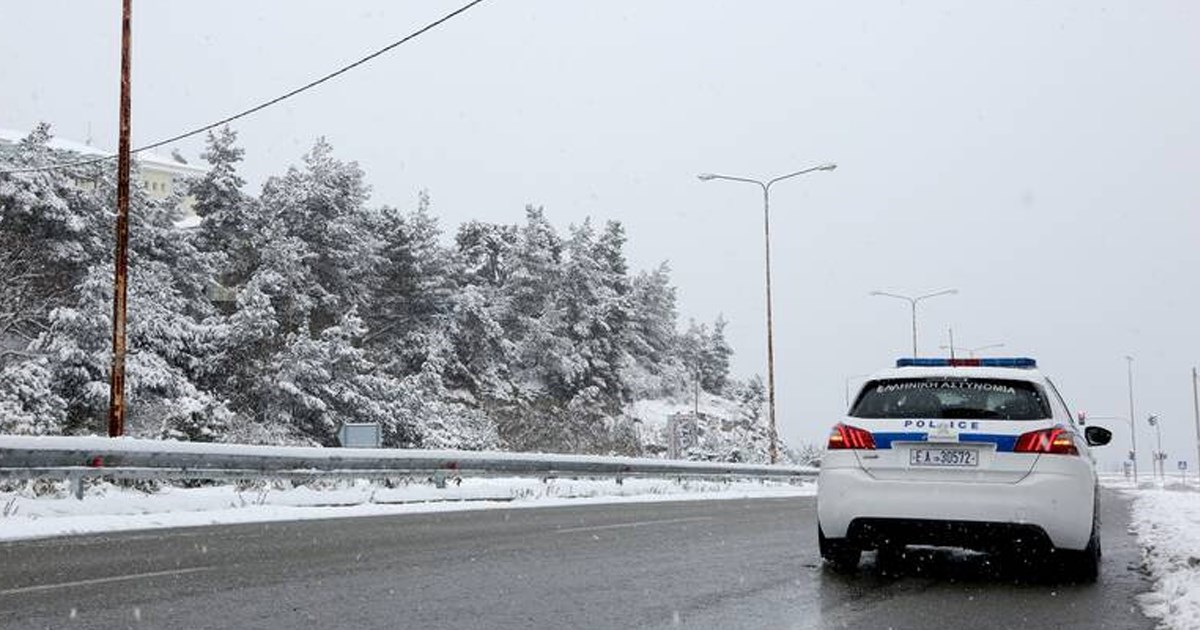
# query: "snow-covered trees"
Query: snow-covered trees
{"points": [[287, 313], [58, 223]]}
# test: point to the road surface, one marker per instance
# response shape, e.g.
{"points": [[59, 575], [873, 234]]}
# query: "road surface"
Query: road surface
{"points": [[701, 564]]}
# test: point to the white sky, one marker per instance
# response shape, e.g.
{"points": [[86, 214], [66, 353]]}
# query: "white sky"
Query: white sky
{"points": [[1042, 158]]}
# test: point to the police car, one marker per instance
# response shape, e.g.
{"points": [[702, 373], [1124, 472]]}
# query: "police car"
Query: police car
{"points": [[982, 454]]}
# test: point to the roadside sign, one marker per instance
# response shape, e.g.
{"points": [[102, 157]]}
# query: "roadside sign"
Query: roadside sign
{"points": [[1182, 465], [360, 435]]}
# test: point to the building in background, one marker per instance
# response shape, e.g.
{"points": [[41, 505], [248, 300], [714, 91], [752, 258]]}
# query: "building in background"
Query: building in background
{"points": [[160, 175]]}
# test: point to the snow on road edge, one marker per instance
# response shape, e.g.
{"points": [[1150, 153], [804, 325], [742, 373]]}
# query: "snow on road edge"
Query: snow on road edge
{"points": [[108, 508], [1167, 524]]}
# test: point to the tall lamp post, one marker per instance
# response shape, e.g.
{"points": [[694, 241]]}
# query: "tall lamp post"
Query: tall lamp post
{"points": [[766, 191], [971, 351], [913, 301], [1132, 424], [1196, 412]]}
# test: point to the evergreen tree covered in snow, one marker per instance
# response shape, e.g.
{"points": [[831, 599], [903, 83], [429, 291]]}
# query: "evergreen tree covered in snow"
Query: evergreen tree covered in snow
{"points": [[232, 225], [290, 312], [64, 216]]}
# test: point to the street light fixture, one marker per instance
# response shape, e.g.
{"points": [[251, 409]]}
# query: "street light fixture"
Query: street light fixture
{"points": [[913, 302], [766, 190], [971, 351]]}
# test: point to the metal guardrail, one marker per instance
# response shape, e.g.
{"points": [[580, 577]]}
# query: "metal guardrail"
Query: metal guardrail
{"points": [[76, 458]]}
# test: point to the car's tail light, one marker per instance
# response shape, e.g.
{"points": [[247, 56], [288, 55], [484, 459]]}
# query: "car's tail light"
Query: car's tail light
{"points": [[845, 436], [1056, 440]]}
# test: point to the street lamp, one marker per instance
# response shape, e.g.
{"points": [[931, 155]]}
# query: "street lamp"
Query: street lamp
{"points": [[1132, 426], [1196, 411], [913, 302], [766, 190], [971, 351]]}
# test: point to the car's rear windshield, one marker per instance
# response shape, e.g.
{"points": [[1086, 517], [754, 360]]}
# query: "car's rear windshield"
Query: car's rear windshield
{"points": [[965, 398]]}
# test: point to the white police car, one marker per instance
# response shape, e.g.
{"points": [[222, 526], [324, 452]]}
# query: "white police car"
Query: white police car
{"points": [[980, 454]]}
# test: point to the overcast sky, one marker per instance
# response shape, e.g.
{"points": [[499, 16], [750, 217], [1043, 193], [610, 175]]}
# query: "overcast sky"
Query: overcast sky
{"points": [[1042, 158]]}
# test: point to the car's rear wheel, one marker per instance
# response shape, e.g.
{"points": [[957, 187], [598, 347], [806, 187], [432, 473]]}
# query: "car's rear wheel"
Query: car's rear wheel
{"points": [[1083, 566], [841, 554]]}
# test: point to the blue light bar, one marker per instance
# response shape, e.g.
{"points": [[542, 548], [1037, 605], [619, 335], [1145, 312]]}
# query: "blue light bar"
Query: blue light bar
{"points": [[1012, 362]]}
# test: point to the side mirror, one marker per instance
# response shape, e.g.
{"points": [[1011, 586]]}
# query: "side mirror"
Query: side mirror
{"points": [[1097, 436]]}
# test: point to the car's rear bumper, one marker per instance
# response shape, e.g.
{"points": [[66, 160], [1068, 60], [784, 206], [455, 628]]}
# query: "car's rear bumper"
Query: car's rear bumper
{"points": [[1060, 506], [871, 533]]}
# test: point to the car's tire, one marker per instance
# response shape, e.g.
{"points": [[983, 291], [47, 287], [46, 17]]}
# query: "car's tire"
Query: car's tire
{"points": [[841, 555], [1083, 566]]}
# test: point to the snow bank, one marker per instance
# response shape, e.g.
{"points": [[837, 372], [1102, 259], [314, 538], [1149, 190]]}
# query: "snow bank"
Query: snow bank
{"points": [[1167, 523], [109, 508]]}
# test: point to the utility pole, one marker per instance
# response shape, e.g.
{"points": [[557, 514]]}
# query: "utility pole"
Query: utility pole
{"points": [[774, 448], [1132, 422], [1158, 455], [116, 408], [1196, 412]]}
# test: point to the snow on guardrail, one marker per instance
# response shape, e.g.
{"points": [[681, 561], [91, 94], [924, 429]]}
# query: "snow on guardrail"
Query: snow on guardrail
{"points": [[54, 456]]}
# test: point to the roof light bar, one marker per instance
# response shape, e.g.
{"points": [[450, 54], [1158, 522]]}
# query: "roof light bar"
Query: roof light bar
{"points": [[1012, 362]]}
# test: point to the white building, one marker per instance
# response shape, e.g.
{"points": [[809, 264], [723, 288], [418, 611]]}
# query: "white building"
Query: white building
{"points": [[159, 175]]}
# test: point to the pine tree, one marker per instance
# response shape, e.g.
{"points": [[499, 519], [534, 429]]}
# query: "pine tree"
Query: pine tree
{"points": [[717, 353], [52, 227], [486, 252], [291, 358], [413, 291], [652, 329], [232, 223]]}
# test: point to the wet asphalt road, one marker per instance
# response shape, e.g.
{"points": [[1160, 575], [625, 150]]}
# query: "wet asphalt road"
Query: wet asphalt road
{"points": [[715, 564]]}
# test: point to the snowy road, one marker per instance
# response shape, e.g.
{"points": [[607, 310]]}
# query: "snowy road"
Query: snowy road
{"points": [[701, 564]]}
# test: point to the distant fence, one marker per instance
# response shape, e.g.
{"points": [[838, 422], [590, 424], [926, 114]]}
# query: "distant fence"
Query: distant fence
{"points": [[78, 458]]}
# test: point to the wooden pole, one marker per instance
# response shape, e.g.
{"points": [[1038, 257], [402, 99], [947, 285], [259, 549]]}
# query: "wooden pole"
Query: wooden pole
{"points": [[116, 409]]}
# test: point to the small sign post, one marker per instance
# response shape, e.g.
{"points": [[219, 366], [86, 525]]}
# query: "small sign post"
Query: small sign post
{"points": [[360, 435]]}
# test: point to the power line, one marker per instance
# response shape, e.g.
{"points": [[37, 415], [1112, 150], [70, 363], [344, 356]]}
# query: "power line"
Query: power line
{"points": [[261, 106]]}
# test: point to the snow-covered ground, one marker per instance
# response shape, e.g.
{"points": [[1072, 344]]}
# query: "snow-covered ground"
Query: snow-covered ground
{"points": [[728, 429], [107, 508], [1167, 523]]}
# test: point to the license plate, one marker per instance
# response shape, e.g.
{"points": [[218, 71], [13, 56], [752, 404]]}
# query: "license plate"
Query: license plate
{"points": [[950, 457]]}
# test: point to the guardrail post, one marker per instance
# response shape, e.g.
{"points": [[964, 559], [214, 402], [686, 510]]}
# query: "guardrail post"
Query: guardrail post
{"points": [[76, 480]]}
